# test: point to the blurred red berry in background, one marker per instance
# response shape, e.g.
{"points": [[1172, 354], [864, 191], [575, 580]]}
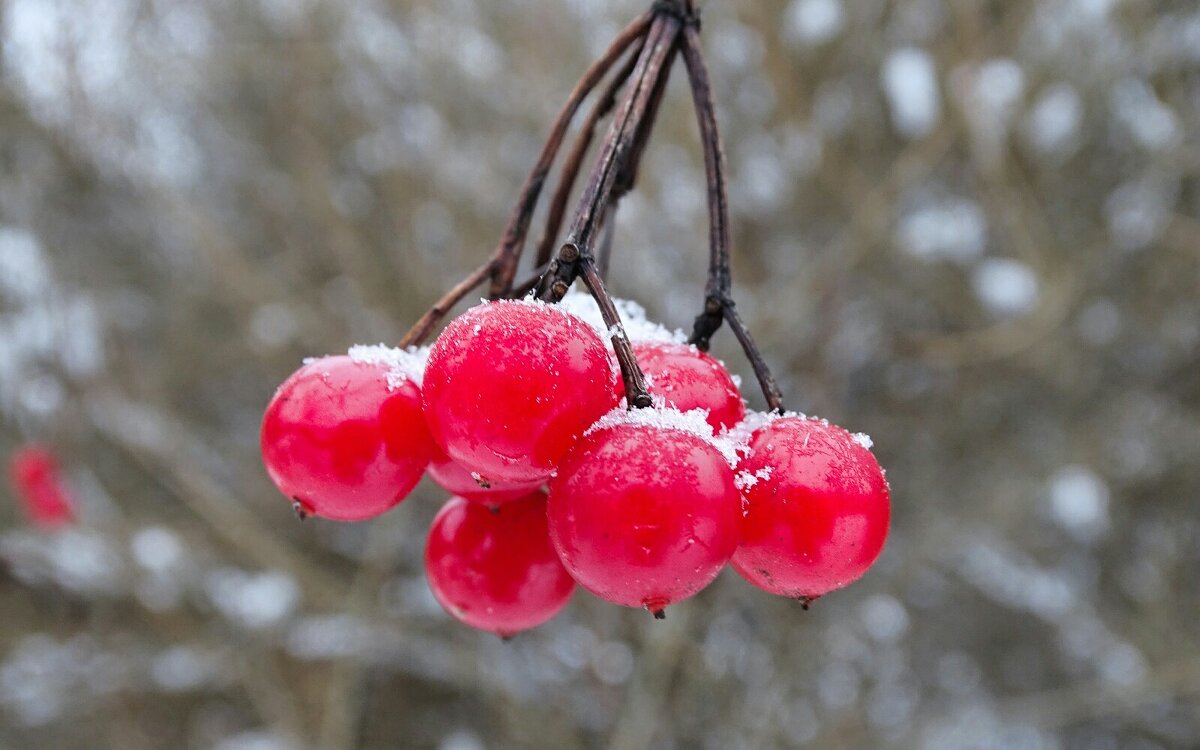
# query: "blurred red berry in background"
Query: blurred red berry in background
{"points": [[35, 480]]}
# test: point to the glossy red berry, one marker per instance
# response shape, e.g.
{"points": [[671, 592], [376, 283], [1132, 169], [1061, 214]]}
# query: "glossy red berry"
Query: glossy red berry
{"points": [[494, 568], [44, 498], [644, 515], [458, 481], [345, 439], [687, 378], [511, 385], [817, 508]]}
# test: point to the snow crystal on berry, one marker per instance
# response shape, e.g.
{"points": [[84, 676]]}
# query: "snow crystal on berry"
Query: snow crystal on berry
{"points": [[862, 439], [755, 421], [402, 365], [746, 479], [634, 323], [694, 422]]}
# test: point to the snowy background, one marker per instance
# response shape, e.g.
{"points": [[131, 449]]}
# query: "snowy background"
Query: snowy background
{"points": [[970, 228]]}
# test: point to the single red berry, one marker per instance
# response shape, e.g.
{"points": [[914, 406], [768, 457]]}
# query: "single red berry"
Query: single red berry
{"points": [[456, 480], [346, 438], [687, 378], [44, 498], [511, 385], [816, 508], [644, 515], [494, 568]]}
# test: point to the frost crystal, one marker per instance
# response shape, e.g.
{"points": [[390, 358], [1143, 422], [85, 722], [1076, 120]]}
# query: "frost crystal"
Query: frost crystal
{"points": [[634, 323], [862, 439], [402, 365], [753, 422], [694, 422], [746, 479]]}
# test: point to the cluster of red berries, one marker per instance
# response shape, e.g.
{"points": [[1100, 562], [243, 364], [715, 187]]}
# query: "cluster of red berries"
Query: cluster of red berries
{"points": [[517, 412]]}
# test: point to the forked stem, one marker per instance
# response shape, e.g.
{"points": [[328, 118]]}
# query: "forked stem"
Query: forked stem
{"points": [[621, 144], [659, 34]]}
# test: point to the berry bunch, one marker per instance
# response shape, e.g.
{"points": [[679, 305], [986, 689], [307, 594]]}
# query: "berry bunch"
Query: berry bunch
{"points": [[554, 482], [606, 452]]}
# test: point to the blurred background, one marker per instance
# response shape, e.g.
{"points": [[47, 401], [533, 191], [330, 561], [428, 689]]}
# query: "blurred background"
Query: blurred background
{"points": [[970, 228]]}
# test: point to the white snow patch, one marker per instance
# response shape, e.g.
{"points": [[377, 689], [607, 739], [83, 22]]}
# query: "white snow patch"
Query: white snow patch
{"points": [[753, 422], [253, 600], [1079, 502], [156, 548], [1152, 124], [694, 422], [1052, 126], [634, 323], [862, 439], [746, 479], [1005, 286], [909, 79], [955, 230], [402, 364], [812, 22]]}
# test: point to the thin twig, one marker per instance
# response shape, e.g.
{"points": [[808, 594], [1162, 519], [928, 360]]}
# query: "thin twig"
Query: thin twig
{"points": [[508, 253], [636, 393], [766, 381], [718, 296], [618, 143], [421, 329], [574, 160], [575, 257], [528, 285], [604, 251]]}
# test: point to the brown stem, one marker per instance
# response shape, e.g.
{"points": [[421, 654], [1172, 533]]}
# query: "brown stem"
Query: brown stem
{"points": [[421, 329], [604, 251], [575, 257], [766, 381], [529, 284], [618, 143], [635, 381], [508, 252], [574, 160], [719, 277], [627, 177], [718, 297]]}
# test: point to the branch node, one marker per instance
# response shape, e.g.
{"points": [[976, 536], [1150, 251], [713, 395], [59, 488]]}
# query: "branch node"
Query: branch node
{"points": [[569, 253], [684, 12], [559, 289]]}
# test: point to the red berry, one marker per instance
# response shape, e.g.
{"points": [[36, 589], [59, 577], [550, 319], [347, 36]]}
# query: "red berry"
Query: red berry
{"points": [[644, 515], [456, 480], [817, 508], [345, 438], [687, 378], [494, 568], [33, 474], [511, 385]]}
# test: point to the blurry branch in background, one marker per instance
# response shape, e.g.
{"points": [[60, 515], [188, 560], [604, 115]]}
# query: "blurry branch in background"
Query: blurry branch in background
{"points": [[154, 441]]}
